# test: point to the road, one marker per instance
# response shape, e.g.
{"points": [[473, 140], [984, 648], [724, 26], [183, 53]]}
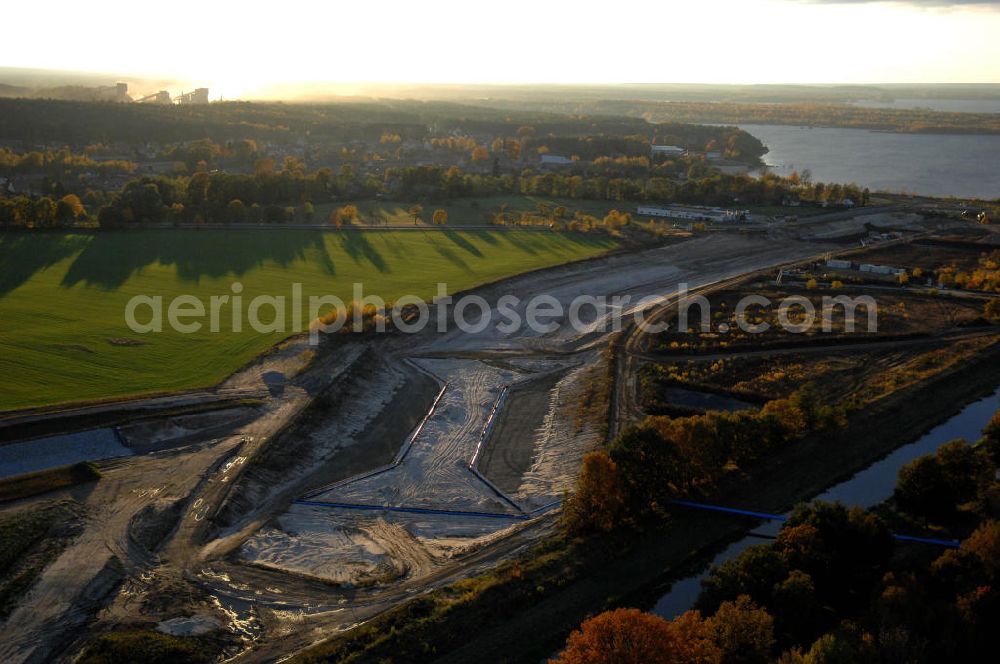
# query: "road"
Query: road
{"points": [[277, 611]]}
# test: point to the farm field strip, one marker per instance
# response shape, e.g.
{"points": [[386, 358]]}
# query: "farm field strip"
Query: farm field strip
{"points": [[63, 296]]}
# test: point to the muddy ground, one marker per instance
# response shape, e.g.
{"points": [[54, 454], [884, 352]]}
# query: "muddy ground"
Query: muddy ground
{"points": [[510, 449], [349, 410]]}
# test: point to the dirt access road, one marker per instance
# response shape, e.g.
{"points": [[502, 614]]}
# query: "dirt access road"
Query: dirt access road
{"points": [[305, 547], [247, 555]]}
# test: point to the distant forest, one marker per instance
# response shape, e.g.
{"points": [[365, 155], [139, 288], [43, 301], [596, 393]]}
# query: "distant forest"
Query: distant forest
{"points": [[820, 114], [46, 121], [65, 163]]}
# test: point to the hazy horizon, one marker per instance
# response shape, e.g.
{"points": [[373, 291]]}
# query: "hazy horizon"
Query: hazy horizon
{"points": [[242, 51], [141, 84]]}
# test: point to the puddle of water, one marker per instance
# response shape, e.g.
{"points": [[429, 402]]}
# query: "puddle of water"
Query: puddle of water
{"points": [[703, 400], [42, 453]]}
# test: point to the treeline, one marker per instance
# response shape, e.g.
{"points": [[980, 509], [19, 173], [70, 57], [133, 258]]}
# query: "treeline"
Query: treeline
{"points": [[46, 120], [289, 193], [985, 277], [834, 587], [649, 465], [58, 163], [823, 115], [727, 141], [82, 123]]}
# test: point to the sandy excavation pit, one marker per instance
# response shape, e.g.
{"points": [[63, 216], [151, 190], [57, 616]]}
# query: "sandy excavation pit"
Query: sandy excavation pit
{"points": [[352, 548], [542, 440], [353, 545]]}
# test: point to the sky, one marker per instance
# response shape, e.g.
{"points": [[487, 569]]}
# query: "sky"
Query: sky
{"points": [[240, 48]]}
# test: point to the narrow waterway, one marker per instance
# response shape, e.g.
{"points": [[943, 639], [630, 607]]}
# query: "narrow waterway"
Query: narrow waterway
{"points": [[867, 488], [42, 453]]}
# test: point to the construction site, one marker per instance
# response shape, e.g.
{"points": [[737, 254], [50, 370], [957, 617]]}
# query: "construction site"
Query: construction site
{"points": [[386, 468]]}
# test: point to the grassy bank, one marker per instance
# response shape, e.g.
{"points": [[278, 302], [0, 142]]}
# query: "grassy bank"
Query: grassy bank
{"points": [[28, 543], [547, 593], [32, 484], [149, 647], [63, 295]]}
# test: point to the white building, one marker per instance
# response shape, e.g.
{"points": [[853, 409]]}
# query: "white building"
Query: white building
{"points": [[555, 160], [693, 213], [882, 269], [667, 150]]}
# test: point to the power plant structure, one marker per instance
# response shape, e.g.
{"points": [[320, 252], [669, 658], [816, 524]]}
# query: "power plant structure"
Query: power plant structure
{"points": [[161, 97], [197, 96]]}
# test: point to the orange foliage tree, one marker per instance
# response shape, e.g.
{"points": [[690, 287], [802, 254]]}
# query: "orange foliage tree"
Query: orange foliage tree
{"points": [[598, 502], [629, 636]]}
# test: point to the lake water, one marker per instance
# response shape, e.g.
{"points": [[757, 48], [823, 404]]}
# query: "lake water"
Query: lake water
{"points": [[867, 488], [33, 455], [930, 164]]}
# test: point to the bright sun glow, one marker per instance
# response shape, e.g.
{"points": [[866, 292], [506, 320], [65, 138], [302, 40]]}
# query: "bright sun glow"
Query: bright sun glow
{"points": [[241, 49]]}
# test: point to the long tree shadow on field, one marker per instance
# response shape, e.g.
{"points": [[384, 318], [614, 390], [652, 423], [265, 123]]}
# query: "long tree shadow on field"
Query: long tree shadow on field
{"points": [[24, 254], [534, 242], [112, 258], [358, 247], [463, 242], [446, 251]]}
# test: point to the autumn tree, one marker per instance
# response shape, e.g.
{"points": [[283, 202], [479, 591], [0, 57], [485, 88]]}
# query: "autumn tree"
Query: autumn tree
{"points": [[45, 211], [264, 166], [598, 502], [650, 469], [69, 209], [513, 149], [934, 486], [415, 212], [990, 443], [743, 631], [992, 308], [984, 543], [440, 217], [235, 211], [629, 636]]}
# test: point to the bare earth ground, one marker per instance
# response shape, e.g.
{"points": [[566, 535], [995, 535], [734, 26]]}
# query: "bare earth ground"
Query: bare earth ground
{"points": [[280, 575]]}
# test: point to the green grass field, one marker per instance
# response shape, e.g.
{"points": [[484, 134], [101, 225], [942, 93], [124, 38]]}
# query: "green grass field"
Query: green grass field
{"points": [[63, 336]]}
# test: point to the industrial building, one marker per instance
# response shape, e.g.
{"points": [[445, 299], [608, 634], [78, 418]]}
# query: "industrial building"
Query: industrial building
{"points": [[667, 151], [870, 268], [555, 160], [197, 96], [161, 97], [693, 213], [882, 269]]}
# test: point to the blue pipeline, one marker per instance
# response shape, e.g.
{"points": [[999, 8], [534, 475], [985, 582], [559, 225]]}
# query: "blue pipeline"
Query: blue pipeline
{"points": [[952, 544]]}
